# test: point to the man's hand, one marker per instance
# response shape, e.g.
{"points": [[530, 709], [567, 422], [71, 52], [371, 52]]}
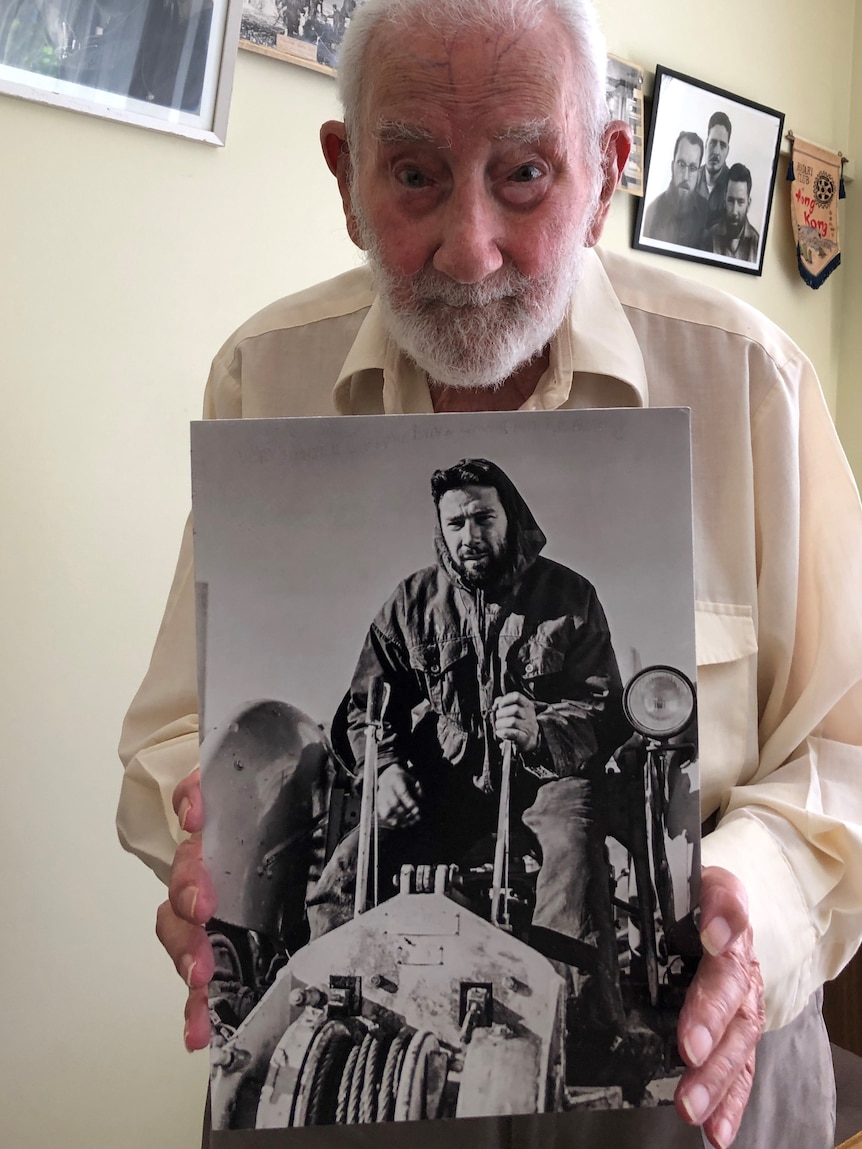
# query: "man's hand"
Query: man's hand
{"points": [[515, 719], [722, 1018], [398, 795], [191, 903]]}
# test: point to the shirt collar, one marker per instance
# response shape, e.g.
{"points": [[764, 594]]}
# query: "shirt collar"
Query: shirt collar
{"points": [[595, 340]]}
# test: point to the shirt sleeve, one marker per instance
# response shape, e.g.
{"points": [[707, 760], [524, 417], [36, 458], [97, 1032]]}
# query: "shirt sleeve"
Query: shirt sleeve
{"points": [[792, 832], [159, 741]]}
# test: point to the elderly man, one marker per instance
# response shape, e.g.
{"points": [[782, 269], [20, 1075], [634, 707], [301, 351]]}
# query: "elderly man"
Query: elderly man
{"points": [[677, 215], [493, 643], [476, 166], [734, 235], [711, 183]]}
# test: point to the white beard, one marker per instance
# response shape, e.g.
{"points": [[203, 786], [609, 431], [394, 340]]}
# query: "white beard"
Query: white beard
{"points": [[475, 335]]}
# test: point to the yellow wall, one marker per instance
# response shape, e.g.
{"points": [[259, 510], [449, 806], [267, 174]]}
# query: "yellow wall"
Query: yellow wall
{"points": [[127, 257]]}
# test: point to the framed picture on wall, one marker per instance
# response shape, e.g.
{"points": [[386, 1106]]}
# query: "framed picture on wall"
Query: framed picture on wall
{"points": [[163, 64], [304, 32], [624, 90], [710, 174]]}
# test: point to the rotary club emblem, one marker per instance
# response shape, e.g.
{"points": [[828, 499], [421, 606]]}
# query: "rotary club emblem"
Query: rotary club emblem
{"points": [[824, 188]]}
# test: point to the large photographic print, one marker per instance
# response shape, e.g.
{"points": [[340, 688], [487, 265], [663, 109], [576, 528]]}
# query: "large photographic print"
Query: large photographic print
{"points": [[163, 64], [449, 761], [710, 174]]}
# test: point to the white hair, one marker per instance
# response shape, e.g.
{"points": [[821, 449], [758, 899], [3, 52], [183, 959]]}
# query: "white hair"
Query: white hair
{"points": [[577, 17]]}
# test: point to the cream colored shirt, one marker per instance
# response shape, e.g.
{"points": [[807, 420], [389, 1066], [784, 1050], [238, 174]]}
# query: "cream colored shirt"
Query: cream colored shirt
{"points": [[778, 575]]}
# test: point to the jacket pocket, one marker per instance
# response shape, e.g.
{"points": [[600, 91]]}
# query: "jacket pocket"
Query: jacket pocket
{"points": [[726, 643], [544, 653], [446, 672]]}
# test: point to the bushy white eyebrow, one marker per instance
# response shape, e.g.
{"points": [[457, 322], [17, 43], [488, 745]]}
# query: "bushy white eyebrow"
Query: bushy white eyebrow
{"points": [[401, 132], [529, 132]]}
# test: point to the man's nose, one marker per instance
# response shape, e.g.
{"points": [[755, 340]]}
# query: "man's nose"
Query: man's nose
{"points": [[468, 247]]}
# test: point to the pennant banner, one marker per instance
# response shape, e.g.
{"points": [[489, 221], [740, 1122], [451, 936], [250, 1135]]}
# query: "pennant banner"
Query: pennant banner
{"points": [[816, 178]]}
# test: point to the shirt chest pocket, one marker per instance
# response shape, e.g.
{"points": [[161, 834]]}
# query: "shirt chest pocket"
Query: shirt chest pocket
{"points": [[446, 675], [727, 698]]}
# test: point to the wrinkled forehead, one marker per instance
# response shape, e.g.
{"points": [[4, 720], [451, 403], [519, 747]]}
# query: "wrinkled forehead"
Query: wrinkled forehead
{"points": [[503, 83]]}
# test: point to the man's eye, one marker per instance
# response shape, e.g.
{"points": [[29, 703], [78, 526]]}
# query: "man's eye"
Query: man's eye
{"points": [[526, 173], [412, 178]]}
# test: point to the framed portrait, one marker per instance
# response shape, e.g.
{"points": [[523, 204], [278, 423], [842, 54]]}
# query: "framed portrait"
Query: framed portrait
{"points": [[624, 90], [710, 173], [304, 32], [163, 64]]}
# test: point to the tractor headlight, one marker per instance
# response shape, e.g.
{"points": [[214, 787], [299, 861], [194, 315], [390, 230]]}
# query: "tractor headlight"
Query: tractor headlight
{"points": [[659, 701]]}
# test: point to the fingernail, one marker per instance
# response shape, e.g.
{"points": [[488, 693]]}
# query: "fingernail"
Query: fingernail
{"points": [[698, 1045], [186, 1031], [187, 966], [723, 1135], [695, 1102], [716, 936], [183, 812], [187, 902]]}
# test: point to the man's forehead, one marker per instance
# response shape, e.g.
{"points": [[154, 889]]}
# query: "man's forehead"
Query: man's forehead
{"points": [[471, 497], [718, 134], [512, 84]]}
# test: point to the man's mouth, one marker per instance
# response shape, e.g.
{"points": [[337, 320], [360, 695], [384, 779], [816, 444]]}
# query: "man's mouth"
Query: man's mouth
{"points": [[436, 290]]}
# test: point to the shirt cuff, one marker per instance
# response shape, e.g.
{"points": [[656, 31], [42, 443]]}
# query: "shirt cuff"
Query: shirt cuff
{"points": [[784, 937]]}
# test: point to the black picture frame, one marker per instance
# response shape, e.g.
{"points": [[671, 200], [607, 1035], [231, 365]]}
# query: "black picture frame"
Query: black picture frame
{"points": [[704, 229]]}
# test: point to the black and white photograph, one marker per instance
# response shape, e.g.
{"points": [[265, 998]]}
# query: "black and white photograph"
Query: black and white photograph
{"points": [[624, 89], [164, 64], [449, 761], [710, 174], [304, 32]]}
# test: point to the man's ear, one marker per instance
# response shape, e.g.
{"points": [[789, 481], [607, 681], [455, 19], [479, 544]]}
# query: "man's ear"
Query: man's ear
{"points": [[616, 145], [336, 152]]}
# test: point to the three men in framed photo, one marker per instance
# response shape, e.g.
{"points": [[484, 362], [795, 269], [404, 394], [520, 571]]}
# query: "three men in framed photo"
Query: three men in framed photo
{"points": [[722, 153]]}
